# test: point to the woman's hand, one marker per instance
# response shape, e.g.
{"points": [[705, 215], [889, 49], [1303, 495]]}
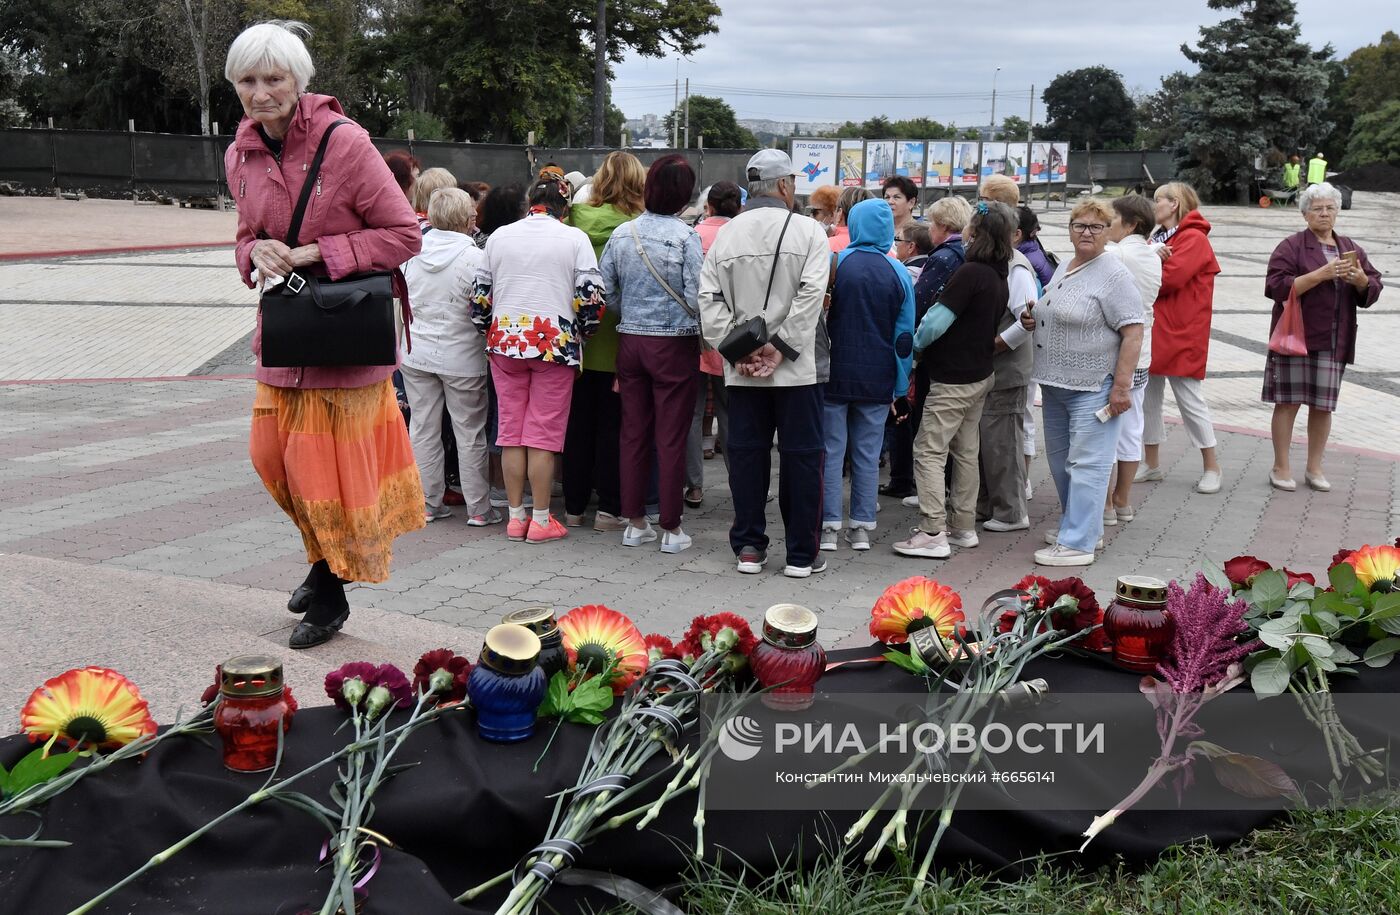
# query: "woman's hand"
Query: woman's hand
{"points": [[306, 255], [1164, 252], [273, 258], [1119, 400], [1027, 317]]}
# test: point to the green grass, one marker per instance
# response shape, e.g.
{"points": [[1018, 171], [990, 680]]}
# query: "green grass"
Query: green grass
{"points": [[1331, 862]]}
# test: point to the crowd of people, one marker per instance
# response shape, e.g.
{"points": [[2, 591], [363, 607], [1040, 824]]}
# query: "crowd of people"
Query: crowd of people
{"points": [[574, 336]]}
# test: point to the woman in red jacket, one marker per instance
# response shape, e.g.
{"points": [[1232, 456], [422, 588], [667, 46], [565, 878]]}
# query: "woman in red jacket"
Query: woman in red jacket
{"points": [[1333, 277], [328, 442], [1181, 331]]}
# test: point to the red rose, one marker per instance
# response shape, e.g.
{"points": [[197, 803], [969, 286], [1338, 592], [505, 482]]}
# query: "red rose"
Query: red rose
{"points": [[1243, 568], [1295, 577], [1343, 555]]}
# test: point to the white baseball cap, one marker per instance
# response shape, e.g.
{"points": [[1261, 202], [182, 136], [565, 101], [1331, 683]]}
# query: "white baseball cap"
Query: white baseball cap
{"points": [[768, 164]]}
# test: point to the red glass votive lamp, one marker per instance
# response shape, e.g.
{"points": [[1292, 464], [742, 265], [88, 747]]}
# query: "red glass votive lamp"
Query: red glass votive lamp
{"points": [[251, 709], [1138, 624], [788, 657]]}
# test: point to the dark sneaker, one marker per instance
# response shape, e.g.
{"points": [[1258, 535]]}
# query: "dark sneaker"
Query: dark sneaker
{"points": [[752, 560], [818, 565]]}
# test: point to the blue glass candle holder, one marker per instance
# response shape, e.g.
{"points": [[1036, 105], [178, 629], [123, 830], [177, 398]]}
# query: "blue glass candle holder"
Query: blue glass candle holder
{"points": [[507, 686]]}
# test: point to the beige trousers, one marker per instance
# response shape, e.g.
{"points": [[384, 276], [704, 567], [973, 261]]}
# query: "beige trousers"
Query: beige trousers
{"points": [[948, 433]]}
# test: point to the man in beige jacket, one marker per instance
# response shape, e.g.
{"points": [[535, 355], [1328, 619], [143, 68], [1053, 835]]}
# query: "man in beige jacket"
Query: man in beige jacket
{"points": [[770, 262]]}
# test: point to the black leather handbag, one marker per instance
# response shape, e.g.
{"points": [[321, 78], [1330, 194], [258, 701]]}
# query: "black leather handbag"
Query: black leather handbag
{"points": [[313, 321], [743, 339]]}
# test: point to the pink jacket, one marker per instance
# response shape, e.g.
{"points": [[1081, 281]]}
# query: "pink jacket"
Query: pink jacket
{"points": [[358, 215]]}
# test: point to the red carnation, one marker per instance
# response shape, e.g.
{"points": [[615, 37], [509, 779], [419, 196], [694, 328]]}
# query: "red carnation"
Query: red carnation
{"points": [[442, 659], [724, 630], [1242, 569], [1034, 585], [211, 692], [659, 648]]}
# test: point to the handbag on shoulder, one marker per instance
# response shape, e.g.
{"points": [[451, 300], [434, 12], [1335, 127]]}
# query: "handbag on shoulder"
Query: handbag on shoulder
{"points": [[744, 339], [314, 321]]}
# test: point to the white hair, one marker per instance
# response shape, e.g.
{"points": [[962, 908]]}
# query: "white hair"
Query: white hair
{"points": [[274, 45], [1321, 190]]}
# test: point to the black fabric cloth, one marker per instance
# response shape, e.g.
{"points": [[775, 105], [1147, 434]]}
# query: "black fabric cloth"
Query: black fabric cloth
{"points": [[591, 445], [795, 415], [976, 295], [902, 438], [469, 810]]}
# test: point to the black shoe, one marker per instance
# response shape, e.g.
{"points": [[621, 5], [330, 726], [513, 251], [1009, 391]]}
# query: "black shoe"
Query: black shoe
{"points": [[301, 598], [896, 492], [309, 635]]}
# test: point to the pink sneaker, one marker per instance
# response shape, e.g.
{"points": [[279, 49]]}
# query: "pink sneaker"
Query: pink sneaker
{"points": [[516, 530], [543, 533]]}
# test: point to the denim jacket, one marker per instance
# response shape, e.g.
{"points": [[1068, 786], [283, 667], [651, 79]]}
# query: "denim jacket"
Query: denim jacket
{"points": [[644, 306]]}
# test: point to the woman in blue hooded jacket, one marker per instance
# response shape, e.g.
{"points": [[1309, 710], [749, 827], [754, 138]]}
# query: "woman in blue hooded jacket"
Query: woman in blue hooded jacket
{"points": [[871, 327]]}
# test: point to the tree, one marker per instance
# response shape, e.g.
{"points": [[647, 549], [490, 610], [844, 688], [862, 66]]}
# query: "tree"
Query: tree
{"points": [[971, 133], [1375, 137], [1259, 89], [713, 119], [1089, 106], [1014, 128], [12, 113], [1158, 113], [920, 129], [1373, 75]]}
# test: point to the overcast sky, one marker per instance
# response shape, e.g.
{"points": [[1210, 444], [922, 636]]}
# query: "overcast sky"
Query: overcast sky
{"points": [[825, 47]]}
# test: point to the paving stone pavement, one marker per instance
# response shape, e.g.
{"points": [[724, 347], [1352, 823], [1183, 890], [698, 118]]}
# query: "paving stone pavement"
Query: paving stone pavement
{"points": [[143, 484]]}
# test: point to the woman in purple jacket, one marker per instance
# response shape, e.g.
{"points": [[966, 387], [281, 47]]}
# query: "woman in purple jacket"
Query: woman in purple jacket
{"points": [[1333, 277], [328, 443]]}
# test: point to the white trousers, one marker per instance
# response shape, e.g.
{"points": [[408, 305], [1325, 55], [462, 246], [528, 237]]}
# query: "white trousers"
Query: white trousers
{"points": [[1028, 422], [1191, 403], [1130, 429], [466, 404]]}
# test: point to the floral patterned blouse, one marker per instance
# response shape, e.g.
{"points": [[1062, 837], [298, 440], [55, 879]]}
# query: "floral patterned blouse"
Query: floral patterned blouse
{"points": [[539, 294]]}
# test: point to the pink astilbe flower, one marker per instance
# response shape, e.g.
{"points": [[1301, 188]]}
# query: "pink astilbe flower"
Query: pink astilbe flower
{"points": [[1206, 640]]}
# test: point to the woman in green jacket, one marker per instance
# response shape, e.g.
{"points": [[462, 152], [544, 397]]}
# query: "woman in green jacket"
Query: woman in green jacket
{"points": [[595, 415]]}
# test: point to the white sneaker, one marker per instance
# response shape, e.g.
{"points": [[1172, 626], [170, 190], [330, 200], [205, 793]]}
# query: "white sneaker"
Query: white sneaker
{"points": [[431, 514], [858, 538], [637, 536], [1062, 556], [1110, 518], [1125, 514], [675, 541], [830, 538], [1209, 483], [965, 539], [1052, 537], [818, 565], [1029, 492], [925, 545], [910, 501], [1147, 474], [1001, 527]]}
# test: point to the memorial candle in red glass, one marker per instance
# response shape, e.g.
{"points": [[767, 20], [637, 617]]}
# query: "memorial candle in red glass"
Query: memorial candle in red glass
{"points": [[788, 657], [252, 709], [1138, 624]]}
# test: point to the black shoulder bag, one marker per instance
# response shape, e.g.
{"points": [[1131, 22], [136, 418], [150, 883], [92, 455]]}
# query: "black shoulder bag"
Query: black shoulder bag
{"points": [[313, 321], [744, 339]]}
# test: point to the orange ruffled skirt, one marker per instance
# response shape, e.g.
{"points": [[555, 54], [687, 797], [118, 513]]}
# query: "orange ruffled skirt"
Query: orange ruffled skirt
{"points": [[339, 463]]}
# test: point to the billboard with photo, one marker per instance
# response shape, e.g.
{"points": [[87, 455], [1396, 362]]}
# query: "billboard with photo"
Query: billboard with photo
{"points": [[1040, 163], [966, 163], [815, 163], [1017, 164], [909, 162], [879, 162], [1059, 162], [993, 159], [850, 170], [940, 163]]}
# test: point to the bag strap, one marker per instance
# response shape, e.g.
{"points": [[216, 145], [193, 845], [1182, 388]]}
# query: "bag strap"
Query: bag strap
{"points": [[312, 174], [776, 251], [694, 313]]}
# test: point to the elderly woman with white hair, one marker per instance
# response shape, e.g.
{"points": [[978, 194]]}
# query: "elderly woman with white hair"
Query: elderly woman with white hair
{"points": [[1332, 277], [327, 441]]}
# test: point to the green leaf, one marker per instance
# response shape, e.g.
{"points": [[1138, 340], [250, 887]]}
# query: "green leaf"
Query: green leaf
{"points": [[36, 768], [1326, 621], [1269, 677], [1270, 590], [1247, 776], [908, 662], [1343, 578], [1275, 639], [1215, 574], [1391, 625], [1387, 606], [1335, 603], [556, 697], [1302, 591], [1380, 653]]}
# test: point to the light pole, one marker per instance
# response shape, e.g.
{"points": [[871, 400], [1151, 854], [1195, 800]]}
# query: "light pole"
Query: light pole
{"points": [[994, 102]]}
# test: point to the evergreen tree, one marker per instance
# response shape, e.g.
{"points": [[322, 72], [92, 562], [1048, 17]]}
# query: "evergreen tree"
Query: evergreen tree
{"points": [[1259, 89]]}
